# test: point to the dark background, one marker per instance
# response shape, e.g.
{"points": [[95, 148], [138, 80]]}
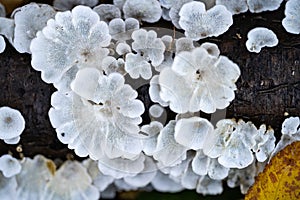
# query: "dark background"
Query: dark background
{"points": [[268, 87]]}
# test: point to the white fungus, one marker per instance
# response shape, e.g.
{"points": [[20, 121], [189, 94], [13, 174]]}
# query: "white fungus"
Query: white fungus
{"points": [[234, 6], [290, 133], [63, 5], [291, 22], [168, 151], [156, 110], [121, 30], [260, 37], [150, 132], [176, 5], [9, 166], [192, 132], [149, 48], [143, 10], [34, 176], [2, 44], [199, 23], [70, 41], [12, 124], [29, 19], [121, 167], [163, 183], [154, 91], [256, 6], [208, 186], [107, 12], [71, 181], [7, 27], [198, 81], [99, 180], [104, 118], [8, 187]]}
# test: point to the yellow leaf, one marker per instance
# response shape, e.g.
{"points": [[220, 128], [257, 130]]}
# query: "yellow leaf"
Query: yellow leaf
{"points": [[281, 177]]}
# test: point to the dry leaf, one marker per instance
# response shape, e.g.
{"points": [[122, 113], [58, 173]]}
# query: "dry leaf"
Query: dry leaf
{"points": [[10, 5], [281, 177]]}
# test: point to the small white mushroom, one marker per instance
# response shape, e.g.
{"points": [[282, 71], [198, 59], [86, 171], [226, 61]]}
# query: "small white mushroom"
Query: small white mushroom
{"points": [[121, 30], [107, 12], [290, 133], [30, 19], [143, 10], [71, 181], [291, 22], [121, 167], [8, 187], [168, 151], [99, 180], [192, 132], [7, 27], [119, 3], [2, 44], [63, 5], [12, 124], [71, 41], [156, 110], [256, 6], [9, 166], [260, 37], [150, 132], [208, 186], [154, 91], [34, 176], [234, 6], [163, 183], [199, 23]]}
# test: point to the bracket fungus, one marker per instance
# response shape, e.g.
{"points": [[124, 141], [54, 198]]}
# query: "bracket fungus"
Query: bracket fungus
{"points": [[291, 22], [121, 30], [9, 166], [12, 124], [29, 19], [71, 41], [189, 84], [234, 6], [143, 10], [257, 6], [87, 118], [260, 37], [199, 23], [2, 44]]}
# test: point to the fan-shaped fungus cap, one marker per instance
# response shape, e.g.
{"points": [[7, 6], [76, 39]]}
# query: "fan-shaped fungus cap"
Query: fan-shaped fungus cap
{"points": [[71, 41], [145, 176], [63, 5], [199, 23], [156, 110], [34, 176], [7, 27], [192, 132], [121, 167], [143, 10], [102, 116], [29, 19], [99, 180], [202, 68], [2, 44], [71, 181], [150, 131], [208, 186], [107, 12], [234, 6], [12, 123], [168, 151], [163, 183], [290, 133], [256, 6], [9, 166], [121, 30], [291, 22], [260, 37]]}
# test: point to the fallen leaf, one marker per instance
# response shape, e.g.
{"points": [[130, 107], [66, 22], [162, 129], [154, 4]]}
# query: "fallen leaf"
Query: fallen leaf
{"points": [[10, 5], [281, 177]]}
